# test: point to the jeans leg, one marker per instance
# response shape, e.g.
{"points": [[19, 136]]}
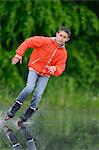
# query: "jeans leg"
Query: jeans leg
{"points": [[31, 145], [38, 91], [31, 80]]}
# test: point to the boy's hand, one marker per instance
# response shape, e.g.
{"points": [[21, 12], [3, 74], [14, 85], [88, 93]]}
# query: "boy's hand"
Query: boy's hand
{"points": [[51, 69], [15, 60]]}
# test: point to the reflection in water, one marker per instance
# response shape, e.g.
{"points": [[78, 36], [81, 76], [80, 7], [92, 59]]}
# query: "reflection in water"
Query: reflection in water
{"points": [[58, 130], [9, 129], [16, 145]]}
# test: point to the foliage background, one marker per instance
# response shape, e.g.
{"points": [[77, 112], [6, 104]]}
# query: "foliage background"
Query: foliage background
{"points": [[20, 20], [77, 90]]}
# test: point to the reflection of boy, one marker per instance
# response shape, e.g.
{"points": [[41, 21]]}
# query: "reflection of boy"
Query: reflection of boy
{"points": [[48, 58], [16, 145]]}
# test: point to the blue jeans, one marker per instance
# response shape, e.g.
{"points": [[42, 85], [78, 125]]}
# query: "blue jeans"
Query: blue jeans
{"points": [[35, 83]]}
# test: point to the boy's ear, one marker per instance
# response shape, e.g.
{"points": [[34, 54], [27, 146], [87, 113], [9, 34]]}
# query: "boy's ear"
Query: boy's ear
{"points": [[68, 38], [57, 33]]}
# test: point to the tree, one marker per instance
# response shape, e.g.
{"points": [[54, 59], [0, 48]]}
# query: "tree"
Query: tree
{"points": [[20, 20]]}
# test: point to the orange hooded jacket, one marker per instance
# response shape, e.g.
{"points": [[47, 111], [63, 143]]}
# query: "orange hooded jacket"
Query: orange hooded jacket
{"points": [[46, 53]]}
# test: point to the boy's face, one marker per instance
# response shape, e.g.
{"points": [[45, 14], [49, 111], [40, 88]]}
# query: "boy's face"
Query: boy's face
{"points": [[61, 38]]}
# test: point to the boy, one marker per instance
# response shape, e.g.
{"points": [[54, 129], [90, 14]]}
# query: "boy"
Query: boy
{"points": [[48, 58]]}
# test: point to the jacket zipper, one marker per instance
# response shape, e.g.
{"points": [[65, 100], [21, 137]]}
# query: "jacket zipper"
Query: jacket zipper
{"points": [[44, 70]]}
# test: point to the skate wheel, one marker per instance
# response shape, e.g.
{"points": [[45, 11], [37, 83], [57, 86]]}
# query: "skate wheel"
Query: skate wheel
{"points": [[6, 118], [19, 123], [6, 129]]}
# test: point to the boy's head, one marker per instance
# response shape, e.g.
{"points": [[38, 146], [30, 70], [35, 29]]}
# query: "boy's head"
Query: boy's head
{"points": [[63, 35]]}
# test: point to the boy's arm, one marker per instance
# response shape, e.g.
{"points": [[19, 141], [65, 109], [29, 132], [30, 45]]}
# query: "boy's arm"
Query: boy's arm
{"points": [[59, 69], [36, 41], [60, 66]]}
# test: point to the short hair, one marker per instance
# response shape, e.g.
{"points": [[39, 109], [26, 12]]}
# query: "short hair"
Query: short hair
{"points": [[62, 28]]}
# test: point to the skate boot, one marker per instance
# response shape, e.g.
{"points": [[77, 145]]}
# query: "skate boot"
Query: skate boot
{"points": [[11, 113], [12, 138], [30, 141], [27, 114]]}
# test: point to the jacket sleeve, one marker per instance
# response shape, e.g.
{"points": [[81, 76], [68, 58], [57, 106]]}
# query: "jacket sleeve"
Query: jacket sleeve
{"points": [[60, 65], [32, 42]]}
